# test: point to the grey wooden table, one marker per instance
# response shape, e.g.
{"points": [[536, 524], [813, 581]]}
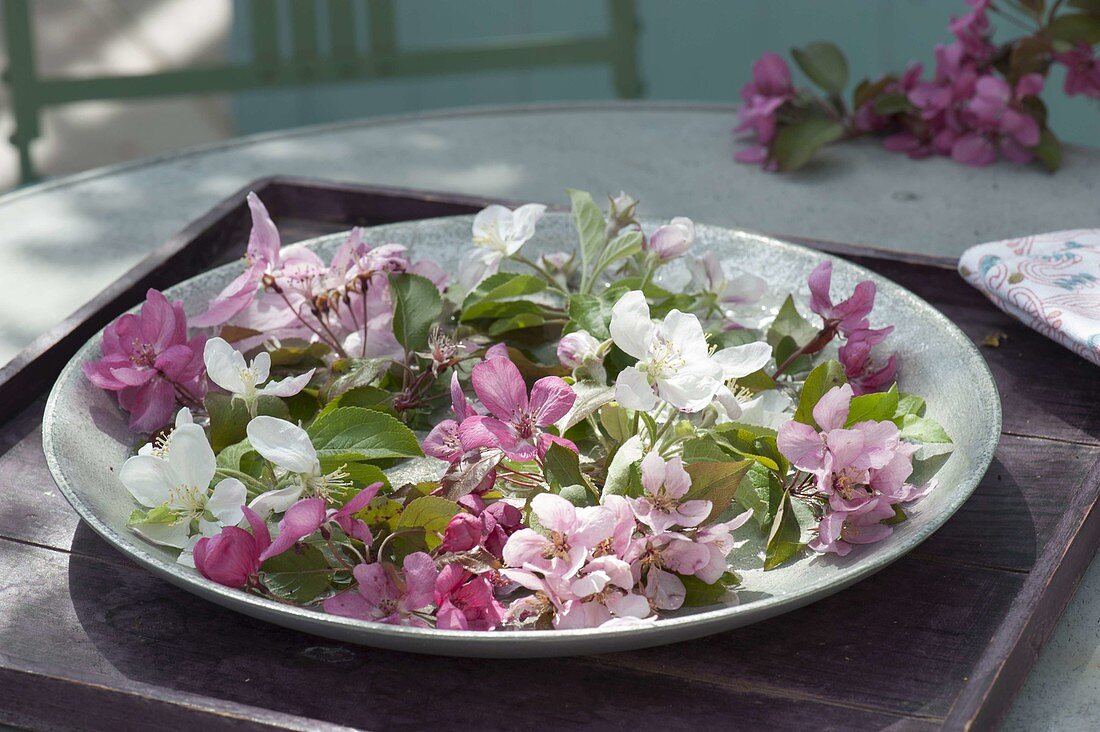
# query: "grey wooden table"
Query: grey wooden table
{"points": [[71, 237]]}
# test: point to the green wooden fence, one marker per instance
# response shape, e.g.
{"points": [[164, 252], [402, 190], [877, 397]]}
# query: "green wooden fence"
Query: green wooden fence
{"points": [[318, 53]]}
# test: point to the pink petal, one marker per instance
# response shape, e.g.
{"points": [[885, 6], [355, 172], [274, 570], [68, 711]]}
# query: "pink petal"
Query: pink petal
{"points": [[771, 74], [420, 576], [263, 240], [500, 387], [477, 432], [300, 520], [158, 321], [551, 399], [801, 444], [153, 406], [546, 439], [375, 584], [831, 411], [232, 300], [820, 281], [973, 149], [259, 528], [555, 513], [349, 604]]}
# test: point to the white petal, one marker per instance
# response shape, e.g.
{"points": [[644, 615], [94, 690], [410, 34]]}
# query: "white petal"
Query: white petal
{"points": [[524, 219], [738, 361], [490, 224], [692, 388], [631, 327], [183, 416], [173, 535], [475, 267], [226, 501], [148, 479], [292, 385], [275, 501], [632, 390], [285, 444], [189, 454], [685, 331], [261, 367], [729, 407], [223, 365]]}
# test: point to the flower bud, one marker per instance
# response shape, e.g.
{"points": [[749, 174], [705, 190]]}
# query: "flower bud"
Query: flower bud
{"points": [[672, 239], [623, 207], [462, 533], [578, 349]]}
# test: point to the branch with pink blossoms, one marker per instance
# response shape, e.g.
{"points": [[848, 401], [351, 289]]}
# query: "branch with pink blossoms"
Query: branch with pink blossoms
{"points": [[982, 100]]}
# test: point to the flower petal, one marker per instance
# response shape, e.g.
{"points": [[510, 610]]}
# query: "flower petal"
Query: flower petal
{"points": [[551, 399], [148, 479], [631, 327], [285, 444], [224, 365], [633, 390], [738, 361], [500, 387], [190, 455]]}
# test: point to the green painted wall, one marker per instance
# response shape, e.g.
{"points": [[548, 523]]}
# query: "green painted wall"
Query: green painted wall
{"points": [[698, 50]]}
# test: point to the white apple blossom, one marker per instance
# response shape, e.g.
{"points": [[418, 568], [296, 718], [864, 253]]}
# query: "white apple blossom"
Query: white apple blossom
{"points": [[288, 447], [226, 367], [178, 482], [675, 364], [498, 232]]}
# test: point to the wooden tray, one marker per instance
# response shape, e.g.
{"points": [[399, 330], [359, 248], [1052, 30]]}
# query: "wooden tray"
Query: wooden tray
{"points": [[942, 638]]}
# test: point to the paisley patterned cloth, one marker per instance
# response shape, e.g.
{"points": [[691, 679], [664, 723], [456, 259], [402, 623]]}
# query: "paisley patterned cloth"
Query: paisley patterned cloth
{"points": [[1049, 281]]}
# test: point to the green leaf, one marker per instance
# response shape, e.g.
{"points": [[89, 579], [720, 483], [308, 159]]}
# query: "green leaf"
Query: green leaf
{"points": [[1049, 150], [352, 373], [1089, 6], [501, 294], [823, 378], [797, 142], [304, 356], [297, 574], [909, 404], [789, 322], [591, 228], [761, 492], [238, 456], [590, 397], [876, 407], [923, 429], [703, 449], [519, 321], [157, 515], [618, 472], [785, 538], [368, 397], [562, 467], [355, 434], [616, 422], [717, 483], [229, 417], [624, 245], [824, 64], [898, 517], [430, 513], [592, 314], [416, 305], [699, 594], [888, 104], [1076, 28]]}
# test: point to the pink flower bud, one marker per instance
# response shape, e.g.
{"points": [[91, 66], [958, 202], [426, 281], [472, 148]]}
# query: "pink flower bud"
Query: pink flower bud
{"points": [[673, 239], [578, 349], [462, 533]]}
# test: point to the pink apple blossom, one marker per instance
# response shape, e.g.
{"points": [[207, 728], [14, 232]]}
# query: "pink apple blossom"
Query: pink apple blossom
{"points": [[465, 601], [661, 506], [233, 556], [762, 98], [385, 595], [517, 422], [571, 534], [1082, 70], [839, 530], [848, 315], [673, 239], [864, 374], [150, 363]]}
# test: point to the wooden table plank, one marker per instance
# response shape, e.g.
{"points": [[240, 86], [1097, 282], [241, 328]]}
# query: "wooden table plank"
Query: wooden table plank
{"points": [[105, 623]]}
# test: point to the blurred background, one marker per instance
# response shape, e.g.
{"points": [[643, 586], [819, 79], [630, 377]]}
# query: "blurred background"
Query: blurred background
{"points": [[698, 51]]}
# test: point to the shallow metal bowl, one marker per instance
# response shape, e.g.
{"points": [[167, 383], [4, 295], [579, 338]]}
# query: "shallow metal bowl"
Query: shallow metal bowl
{"points": [[86, 440]]}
